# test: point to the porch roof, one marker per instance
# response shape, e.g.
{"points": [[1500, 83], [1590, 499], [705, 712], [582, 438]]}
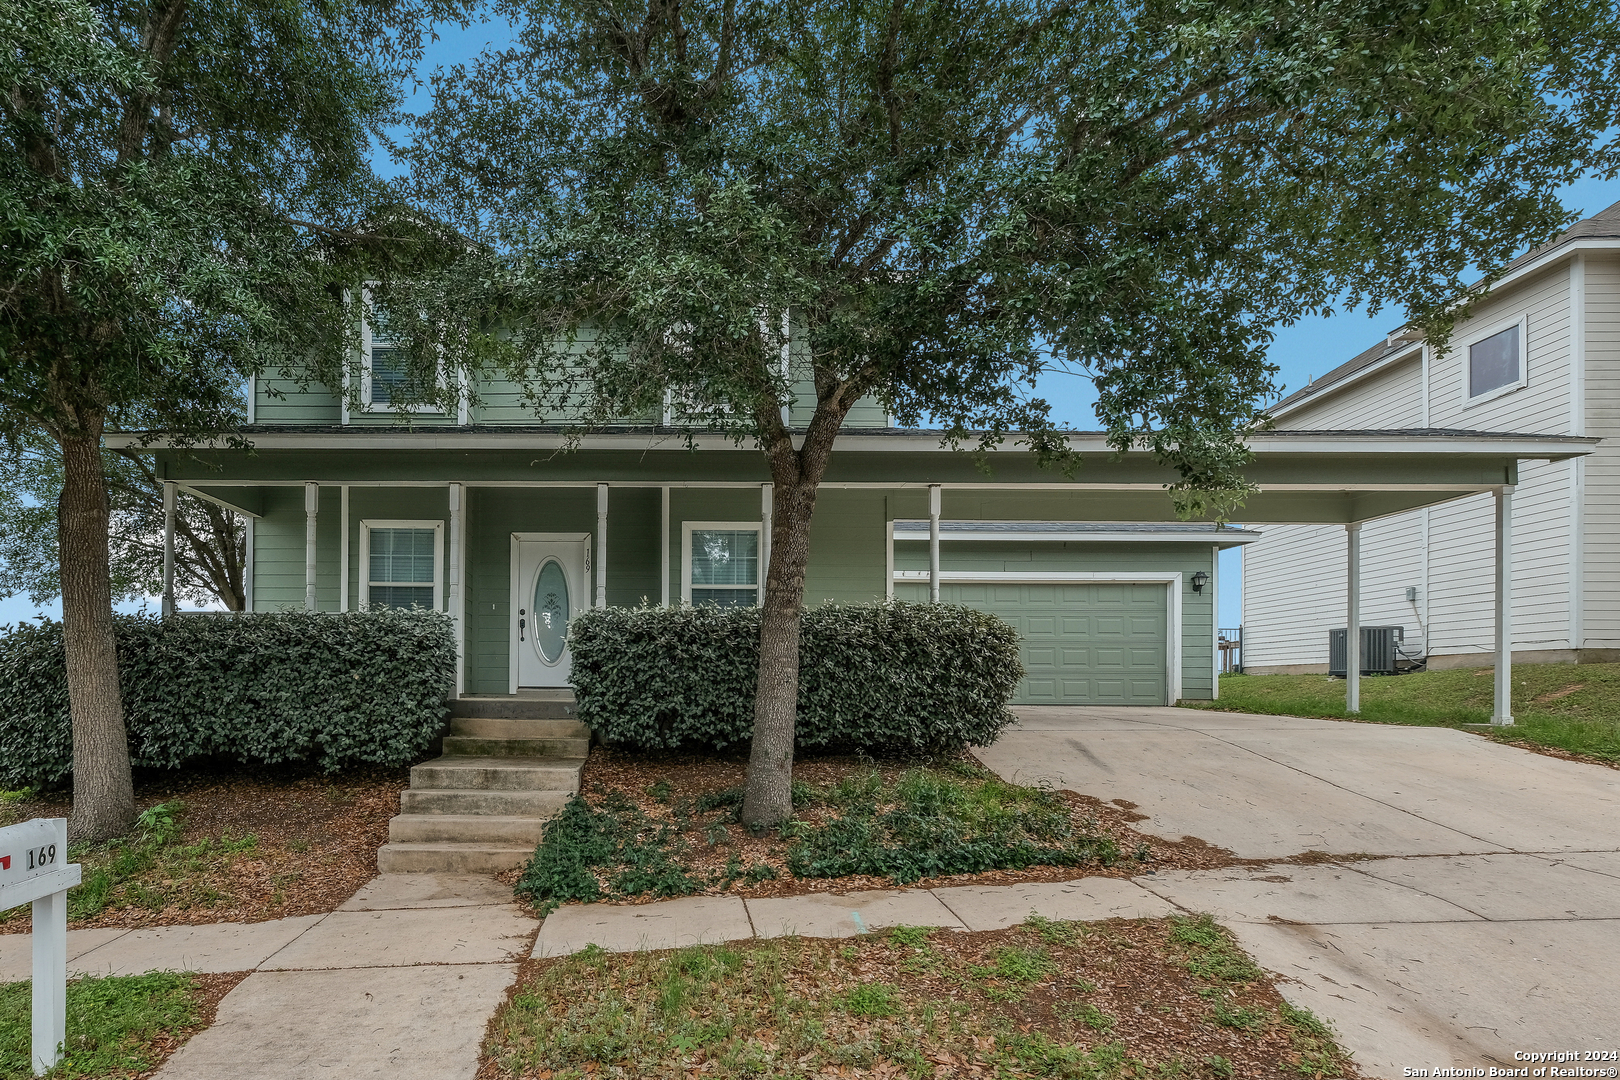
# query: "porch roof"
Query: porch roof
{"points": [[1302, 476]]}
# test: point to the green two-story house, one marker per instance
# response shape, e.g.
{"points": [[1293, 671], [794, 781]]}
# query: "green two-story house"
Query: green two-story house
{"points": [[513, 526]]}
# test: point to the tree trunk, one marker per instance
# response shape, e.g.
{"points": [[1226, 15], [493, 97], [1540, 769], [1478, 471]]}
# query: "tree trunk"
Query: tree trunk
{"points": [[797, 477], [103, 788]]}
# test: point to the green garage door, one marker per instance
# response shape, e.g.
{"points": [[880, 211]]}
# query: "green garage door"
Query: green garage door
{"points": [[1083, 644]]}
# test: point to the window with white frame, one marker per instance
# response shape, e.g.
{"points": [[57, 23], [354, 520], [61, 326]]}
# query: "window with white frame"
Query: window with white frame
{"points": [[1494, 361], [400, 564], [720, 563], [389, 379]]}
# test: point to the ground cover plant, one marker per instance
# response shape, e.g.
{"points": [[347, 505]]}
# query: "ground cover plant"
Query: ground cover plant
{"points": [[1088, 1001], [1566, 708], [225, 847], [117, 1025], [649, 826]]}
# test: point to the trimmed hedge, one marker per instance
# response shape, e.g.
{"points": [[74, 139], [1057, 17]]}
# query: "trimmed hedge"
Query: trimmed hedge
{"points": [[335, 690], [892, 677]]}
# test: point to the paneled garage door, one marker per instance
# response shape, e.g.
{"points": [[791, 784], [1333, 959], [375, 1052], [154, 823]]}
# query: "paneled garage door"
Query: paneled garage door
{"points": [[1084, 644]]}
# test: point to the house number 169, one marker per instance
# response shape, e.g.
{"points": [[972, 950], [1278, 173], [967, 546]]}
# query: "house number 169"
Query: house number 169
{"points": [[43, 856]]}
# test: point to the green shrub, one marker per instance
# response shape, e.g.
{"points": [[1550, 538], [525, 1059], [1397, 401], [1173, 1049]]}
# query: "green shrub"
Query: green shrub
{"points": [[928, 825], [335, 690], [910, 678]]}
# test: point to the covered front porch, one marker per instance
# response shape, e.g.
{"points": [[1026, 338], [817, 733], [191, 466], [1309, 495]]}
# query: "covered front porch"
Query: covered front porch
{"points": [[468, 521]]}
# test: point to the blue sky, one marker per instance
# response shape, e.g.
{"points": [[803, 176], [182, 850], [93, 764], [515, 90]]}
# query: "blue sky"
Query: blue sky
{"points": [[1309, 347]]}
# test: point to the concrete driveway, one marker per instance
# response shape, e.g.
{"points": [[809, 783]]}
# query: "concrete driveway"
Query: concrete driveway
{"points": [[1484, 924]]}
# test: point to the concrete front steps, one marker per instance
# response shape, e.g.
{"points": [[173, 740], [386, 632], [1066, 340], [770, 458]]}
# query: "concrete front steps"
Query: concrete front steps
{"points": [[509, 764]]}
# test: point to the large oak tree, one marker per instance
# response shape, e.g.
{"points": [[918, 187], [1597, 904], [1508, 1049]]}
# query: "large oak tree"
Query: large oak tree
{"points": [[942, 200], [176, 177]]}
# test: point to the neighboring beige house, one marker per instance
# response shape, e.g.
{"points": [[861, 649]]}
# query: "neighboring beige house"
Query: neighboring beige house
{"points": [[1540, 354]]}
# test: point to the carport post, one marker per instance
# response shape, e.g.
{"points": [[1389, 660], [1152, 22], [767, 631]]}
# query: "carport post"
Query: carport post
{"points": [[1502, 707], [933, 543], [1352, 621]]}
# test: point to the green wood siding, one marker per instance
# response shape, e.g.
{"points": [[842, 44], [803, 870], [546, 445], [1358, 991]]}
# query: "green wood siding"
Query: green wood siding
{"points": [[395, 504], [278, 551], [298, 404], [848, 548]]}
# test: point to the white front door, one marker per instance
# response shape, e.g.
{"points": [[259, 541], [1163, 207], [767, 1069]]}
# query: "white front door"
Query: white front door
{"points": [[549, 589]]}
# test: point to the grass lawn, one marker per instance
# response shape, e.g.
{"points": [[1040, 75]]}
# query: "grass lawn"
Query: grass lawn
{"points": [[117, 1025], [1569, 707], [224, 847], [1089, 1001]]}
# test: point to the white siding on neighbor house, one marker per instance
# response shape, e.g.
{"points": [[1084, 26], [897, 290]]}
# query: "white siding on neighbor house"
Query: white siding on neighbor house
{"points": [[1392, 398], [1294, 576], [1541, 406], [1601, 587], [1294, 588], [1290, 572]]}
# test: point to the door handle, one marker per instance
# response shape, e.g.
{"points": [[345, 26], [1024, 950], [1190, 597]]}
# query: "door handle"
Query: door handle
{"points": [[522, 623]]}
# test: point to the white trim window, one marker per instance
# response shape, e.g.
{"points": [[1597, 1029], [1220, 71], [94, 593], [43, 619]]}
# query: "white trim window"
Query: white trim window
{"points": [[401, 564], [720, 563], [1494, 360], [387, 382]]}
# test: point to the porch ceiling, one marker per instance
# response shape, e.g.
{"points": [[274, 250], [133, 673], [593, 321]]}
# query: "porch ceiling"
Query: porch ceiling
{"points": [[1302, 476]]}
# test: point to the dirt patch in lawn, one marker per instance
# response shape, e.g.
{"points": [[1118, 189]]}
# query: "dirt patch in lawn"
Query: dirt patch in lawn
{"points": [[665, 788], [237, 846], [1165, 997]]}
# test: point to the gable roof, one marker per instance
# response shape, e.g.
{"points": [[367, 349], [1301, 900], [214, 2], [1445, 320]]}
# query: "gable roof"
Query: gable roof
{"points": [[1603, 225]]}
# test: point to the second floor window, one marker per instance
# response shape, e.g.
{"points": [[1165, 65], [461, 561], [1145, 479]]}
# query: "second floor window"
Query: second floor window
{"points": [[391, 380], [1496, 362]]}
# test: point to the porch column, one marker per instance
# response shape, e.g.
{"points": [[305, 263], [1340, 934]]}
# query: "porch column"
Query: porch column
{"points": [[247, 564], [933, 543], [767, 516], [663, 547], [168, 546], [601, 545], [453, 578], [1502, 708], [312, 505], [1352, 622], [343, 547]]}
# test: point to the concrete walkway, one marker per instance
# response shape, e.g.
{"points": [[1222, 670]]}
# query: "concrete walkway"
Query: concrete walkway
{"points": [[398, 982], [705, 920]]}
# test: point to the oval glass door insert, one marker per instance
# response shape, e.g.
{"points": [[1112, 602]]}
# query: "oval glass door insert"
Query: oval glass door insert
{"points": [[551, 611]]}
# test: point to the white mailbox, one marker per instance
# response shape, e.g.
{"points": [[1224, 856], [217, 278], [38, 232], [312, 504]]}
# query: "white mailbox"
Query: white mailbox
{"points": [[34, 870]]}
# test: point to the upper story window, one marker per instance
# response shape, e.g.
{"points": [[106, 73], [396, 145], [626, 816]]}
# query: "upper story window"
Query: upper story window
{"points": [[720, 563], [388, 378], [400, 564], [1494, 361]]}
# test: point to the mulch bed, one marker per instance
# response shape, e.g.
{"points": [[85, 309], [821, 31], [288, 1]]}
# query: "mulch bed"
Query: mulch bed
{"points": [[685, 776], [317, 841], [211, 989]]}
